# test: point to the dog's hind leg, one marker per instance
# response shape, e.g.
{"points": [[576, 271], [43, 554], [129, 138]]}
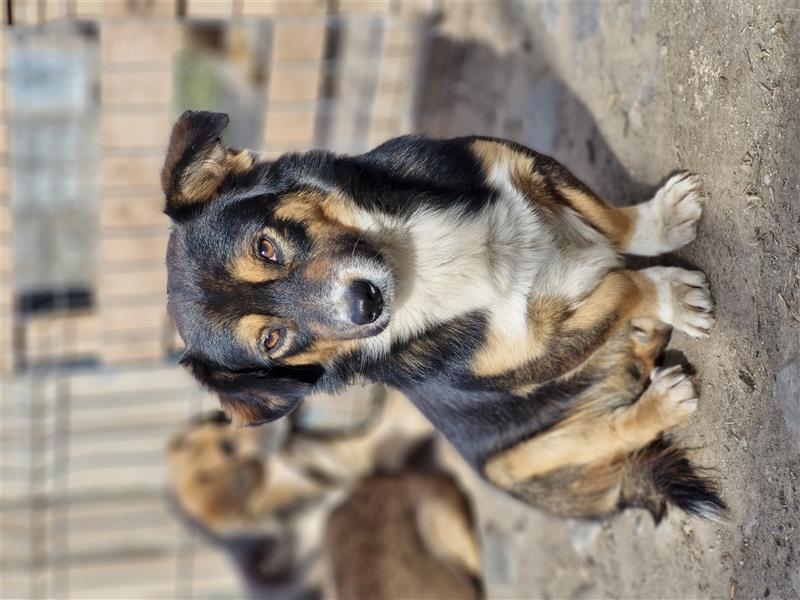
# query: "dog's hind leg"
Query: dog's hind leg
{"points": [[603, 425], [609, 453], [582, 438]]}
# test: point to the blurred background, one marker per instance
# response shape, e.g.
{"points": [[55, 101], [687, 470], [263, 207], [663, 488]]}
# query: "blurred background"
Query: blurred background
{"points": [[621, 92]]}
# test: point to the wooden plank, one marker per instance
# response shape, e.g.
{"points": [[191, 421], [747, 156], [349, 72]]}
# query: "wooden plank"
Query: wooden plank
{"points": [[127, 130], [94, 384], [364, 7], [60, 336], [128, 171], [142, 209], [137, 89], [122, 477], [130, 42], [5, 181], [294, 84], [298, 42], [135, 248], [219, 9], [50, 10], [121, 576], [156, 536], [134, 283], [170, 409], [148, 317], [45, 327], [290, 128], [282, 8], [149, 9], [86, 9]]}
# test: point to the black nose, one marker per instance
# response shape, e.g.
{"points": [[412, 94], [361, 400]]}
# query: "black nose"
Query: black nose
{"points": [[366, 302]]}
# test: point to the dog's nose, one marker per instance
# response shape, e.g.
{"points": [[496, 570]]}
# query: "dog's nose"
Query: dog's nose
{"points": [[366, 302]]}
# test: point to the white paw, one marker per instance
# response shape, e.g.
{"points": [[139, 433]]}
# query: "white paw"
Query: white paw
{"points": [[668, 221], [676, 396], [684, 300]]}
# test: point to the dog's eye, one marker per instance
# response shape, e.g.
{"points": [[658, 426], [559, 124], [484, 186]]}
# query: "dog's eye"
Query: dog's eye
{"points": [[268, 250], [273, 339]]}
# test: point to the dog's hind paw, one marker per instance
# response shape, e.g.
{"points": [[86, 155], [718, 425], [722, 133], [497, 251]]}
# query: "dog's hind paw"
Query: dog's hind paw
{"points": [[684, 299], [669, 221]]}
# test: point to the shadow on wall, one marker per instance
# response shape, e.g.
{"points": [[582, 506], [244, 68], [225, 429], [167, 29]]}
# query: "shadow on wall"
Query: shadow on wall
{"points": [[470, 88]]}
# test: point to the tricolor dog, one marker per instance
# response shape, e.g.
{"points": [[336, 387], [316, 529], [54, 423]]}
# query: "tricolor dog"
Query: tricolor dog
{"points": [[478, 277]]}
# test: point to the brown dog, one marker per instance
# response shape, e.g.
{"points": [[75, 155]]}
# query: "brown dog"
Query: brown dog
{"points": [[406, 532]]}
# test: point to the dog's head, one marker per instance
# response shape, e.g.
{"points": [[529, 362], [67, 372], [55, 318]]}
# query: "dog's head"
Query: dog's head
{"points": [[270, 274], [217, 471]]}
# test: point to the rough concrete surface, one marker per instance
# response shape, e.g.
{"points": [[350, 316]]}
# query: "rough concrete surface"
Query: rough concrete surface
{"points": [[624, 94]]}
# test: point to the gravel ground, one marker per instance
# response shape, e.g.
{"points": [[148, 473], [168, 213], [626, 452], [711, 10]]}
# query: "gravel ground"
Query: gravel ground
{"points": [[624, 94]]}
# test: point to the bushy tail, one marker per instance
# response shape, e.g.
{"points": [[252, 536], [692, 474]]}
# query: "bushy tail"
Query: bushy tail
{"points": [[662, 474]]}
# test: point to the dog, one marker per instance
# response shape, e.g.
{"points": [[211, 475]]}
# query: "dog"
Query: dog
{"points": [[394, 525], [229, 486], [221, 476], [404, 535], [478, 277]]}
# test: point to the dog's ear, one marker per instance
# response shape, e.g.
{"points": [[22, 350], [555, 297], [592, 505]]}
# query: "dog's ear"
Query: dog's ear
{"points": [[257, 396], [197, 161]]}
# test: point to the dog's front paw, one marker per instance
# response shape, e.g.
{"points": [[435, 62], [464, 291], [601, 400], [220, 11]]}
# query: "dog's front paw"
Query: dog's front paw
{"points": [[684, 299], [673, 394], [668, 221]]}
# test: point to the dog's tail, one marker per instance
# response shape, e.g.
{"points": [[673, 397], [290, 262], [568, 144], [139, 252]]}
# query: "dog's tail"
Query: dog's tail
{"points": [[662, 474]]}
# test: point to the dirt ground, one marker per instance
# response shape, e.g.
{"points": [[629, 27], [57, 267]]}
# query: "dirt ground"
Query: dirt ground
{"points": [[624, 94]]}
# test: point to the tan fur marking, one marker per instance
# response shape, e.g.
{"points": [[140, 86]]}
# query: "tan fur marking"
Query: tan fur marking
{"points": [[649, 336], [447, 533], [249, 329], [338, 208], [625, 294], [616, 224], [520, 168], [285, 487], [320, 352], [250, 269], [500, 353], [321, 215], [602, 483], [576, 443], [202, 178], [493, 155], [239, 162], [319, 268]]}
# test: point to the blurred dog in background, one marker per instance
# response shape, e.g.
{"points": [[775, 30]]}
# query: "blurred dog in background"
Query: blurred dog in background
{"points": [[309, 509]]}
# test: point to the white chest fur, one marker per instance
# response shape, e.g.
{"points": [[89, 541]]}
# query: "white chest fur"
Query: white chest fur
{"points": [[446, 264]]}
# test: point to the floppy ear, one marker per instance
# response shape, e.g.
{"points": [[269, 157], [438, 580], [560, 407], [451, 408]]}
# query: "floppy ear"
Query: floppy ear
{"points": [[197, 161], [258, 396]]}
